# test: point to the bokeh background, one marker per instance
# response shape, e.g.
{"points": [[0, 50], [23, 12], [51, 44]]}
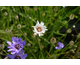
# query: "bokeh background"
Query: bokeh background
{"points": [[62, 22]]}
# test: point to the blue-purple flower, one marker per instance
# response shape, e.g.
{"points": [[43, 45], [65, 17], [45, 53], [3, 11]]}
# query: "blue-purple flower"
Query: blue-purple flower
{"points": [[63, 6], [16, 45], [59, 45], [19, 55]]}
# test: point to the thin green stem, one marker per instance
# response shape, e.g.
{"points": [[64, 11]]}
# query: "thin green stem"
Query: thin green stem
{"points": [[32, 53], [40, 49]]}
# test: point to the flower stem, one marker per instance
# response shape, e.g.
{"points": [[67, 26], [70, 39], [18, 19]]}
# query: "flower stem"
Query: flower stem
{"points": [[33, 54]]}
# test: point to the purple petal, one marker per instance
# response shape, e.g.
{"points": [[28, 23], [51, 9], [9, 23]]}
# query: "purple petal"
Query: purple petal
{"points": [[63, 6], [10, 56], [13, 52], [62, 45], [10, 50], [19, 40], [17, 51], [24, 42], [56, 47], [22, 52], [9, 43], [24, 56], [14, 39], [9, 47], [59, 48], [58, 43]]}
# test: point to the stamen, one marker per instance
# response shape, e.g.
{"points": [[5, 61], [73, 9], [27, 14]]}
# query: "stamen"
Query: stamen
{"points": [[57, 45], [17, 46], [39, 29], [17, 57]]}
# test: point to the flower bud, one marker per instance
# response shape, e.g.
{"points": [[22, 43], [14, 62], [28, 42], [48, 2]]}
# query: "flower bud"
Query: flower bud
{"points": [[71, 17], [71, 42], [69, 31], [35, 8], [55, 9], [42, 46], [28, 44], [75, 46], [44, 14], [74, 26], [53, 40], [5, 13], [72, 51], [33, 35], [39, 40], [24, 34], [78, 35], [72, 35], [16, 17], [2, 46], [27, 8], [19, 26]]}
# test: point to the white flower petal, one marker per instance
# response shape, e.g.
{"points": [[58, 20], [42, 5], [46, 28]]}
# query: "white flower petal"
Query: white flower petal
{"points": [[37, 22], [42, 23], [40, 34], [46, 29], [33, 26], [35, 33], [43, 31]]}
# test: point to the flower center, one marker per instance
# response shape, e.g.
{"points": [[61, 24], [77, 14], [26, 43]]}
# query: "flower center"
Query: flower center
{"points": [[57, 45], [17, 46], [17, 57], [39, 29]]}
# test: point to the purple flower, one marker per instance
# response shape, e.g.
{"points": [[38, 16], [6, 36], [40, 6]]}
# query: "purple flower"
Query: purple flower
{"points": [[16, 45], [63, 6], [59, 45], [19, 55]]}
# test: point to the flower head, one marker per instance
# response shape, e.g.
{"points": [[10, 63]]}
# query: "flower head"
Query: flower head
{"points": [[16, 45], [19, 26], [19, 55], [55, 9], [69, 31], [78, 36], [71, 17], [59, 45], [39, 29], [71, 42], [53, 40], [5, 13]]}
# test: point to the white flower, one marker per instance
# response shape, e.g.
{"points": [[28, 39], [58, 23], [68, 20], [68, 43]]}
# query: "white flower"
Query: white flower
{"points": [[39, 28]]}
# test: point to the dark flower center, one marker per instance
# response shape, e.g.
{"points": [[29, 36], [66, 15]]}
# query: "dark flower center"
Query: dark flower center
{"points": [[39, 29], [57, 45], [17, 46], [17, 57]]}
